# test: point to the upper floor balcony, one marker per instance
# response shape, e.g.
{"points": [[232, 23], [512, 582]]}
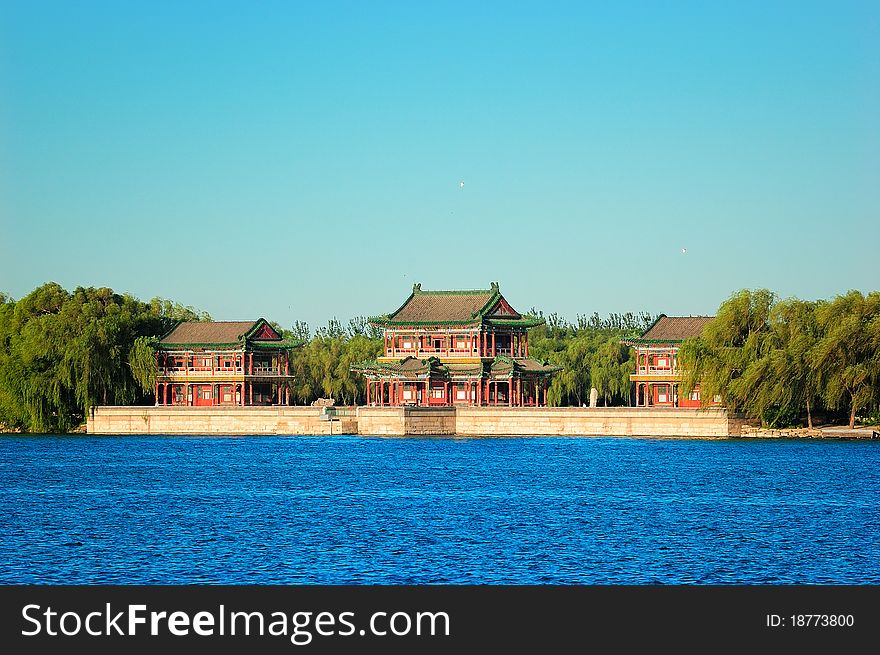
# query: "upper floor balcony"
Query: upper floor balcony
{"points": [[222, 372], [656, 370], [431, 352]]}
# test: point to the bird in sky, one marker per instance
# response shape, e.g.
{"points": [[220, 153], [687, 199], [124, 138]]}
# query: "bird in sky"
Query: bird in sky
{"points": [[684, 251], [461, 184]]}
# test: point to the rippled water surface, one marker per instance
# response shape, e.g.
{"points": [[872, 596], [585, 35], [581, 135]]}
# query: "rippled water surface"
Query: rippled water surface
{"points": [[367, 510]]}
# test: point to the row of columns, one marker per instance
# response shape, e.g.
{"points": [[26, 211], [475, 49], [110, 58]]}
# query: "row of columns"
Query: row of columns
{"points": [[643, 360], [281, 362], [483, 343], [477, 392], [243, 392], [645, 393]]}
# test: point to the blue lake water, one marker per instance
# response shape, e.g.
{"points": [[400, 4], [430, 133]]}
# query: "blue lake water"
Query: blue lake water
{"points": [[335, 510]]}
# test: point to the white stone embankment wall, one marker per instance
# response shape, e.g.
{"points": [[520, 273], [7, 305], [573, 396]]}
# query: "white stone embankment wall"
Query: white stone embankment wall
{"points": [[215, 420], [399, 421], [595, 421]]}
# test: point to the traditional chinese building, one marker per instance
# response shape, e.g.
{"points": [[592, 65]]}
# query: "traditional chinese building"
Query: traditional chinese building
{"points": [[224, 363], [657, 375], [456, 348]]}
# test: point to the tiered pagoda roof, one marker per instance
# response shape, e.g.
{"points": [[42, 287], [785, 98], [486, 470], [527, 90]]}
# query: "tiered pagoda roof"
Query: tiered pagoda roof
{"points": [[455, 308], [224, 334], [672, 329]]}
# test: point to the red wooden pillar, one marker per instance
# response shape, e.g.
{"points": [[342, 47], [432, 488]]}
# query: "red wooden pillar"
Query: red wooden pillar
{"points": [[509, 392], [446, 392], [367, 392], [494, 354], [527, 344], [157, 393], [545, 392]]}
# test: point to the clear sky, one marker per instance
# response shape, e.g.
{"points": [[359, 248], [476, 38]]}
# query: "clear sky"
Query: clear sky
{"points": [[303, 160]]}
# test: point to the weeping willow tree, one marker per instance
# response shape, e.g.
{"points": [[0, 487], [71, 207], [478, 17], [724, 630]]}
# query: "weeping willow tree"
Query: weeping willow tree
{"points": [[848, 353], [780, 360], [322, 367], [722, 360], [142, 362], [590, 354], [62, 352], [610, 368]]}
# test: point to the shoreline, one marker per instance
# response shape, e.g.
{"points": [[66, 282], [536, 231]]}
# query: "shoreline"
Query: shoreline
{"points": [[462, 421]]}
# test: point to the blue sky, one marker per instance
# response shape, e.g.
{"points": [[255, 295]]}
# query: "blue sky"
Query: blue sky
{"points": [[303, 160]]}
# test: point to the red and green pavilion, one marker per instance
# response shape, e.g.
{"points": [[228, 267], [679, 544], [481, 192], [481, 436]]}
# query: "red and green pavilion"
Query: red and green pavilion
{"points": [[445, 348], [657, 376], [208, 363]]}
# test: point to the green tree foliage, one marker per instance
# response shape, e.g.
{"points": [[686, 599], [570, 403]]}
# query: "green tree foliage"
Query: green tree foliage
{"points": [[610, 368], [143, 363], [718, 361], [780, 360], [848, 352], [62, 352], [322, 367], [591, 354]]}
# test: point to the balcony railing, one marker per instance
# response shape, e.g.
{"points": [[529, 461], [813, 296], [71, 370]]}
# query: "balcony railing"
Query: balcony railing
{"points": [[262, 371], [654, 370], [444, 352], [436, 352]]}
